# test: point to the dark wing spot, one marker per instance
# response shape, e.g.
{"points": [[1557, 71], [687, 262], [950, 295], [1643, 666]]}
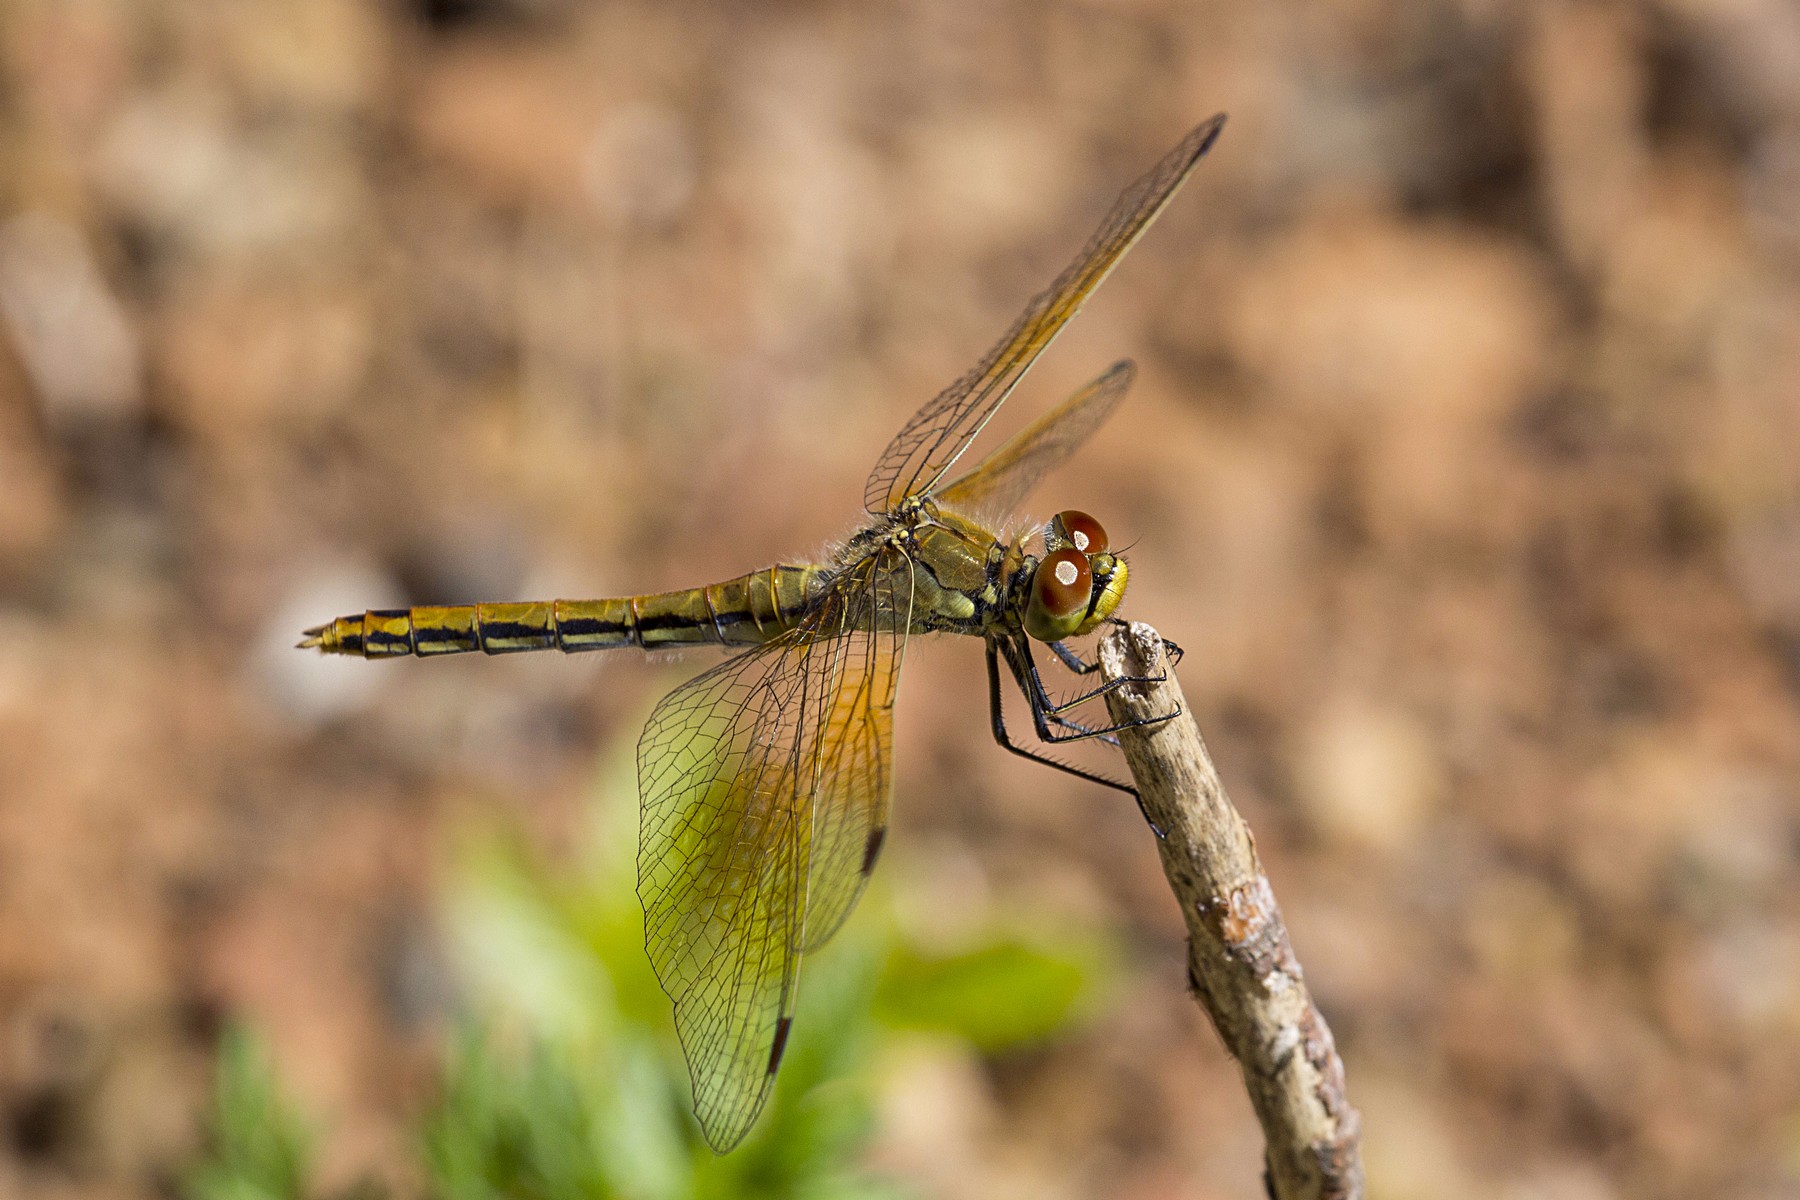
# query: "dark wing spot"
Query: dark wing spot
{"points": [[873, 848], [781, 1035]]}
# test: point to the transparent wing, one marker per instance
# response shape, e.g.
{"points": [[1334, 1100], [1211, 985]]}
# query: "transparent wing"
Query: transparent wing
{"points": [[856, 752], [1000, 483], [938, 433], [753, 778]]}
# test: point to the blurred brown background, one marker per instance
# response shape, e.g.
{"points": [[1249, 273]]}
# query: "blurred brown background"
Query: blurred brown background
{"points": [[1462, 461]]}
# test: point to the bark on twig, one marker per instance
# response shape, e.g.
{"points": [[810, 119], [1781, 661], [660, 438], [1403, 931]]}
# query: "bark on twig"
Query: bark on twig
{"points": [[1240, 965]]}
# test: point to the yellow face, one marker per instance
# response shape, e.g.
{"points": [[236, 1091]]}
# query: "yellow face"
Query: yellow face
{"points": [[1079, 582]]}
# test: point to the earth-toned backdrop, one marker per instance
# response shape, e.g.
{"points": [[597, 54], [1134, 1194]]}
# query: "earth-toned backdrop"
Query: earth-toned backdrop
{"points": [[1464, 460]]}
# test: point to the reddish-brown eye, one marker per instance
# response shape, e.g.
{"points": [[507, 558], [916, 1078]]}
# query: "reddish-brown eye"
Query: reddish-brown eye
{"points": [[1081, 531], [1064, 584]]}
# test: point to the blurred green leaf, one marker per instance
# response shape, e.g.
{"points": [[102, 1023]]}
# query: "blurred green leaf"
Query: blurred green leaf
{"points": [[261, 1148], [517, 950], [1006, 993], [542, 1123], [559, 952], [568, 1082]]}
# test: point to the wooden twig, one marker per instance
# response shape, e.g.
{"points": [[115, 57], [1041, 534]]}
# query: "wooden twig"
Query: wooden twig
{"points": [[1240, 965]]}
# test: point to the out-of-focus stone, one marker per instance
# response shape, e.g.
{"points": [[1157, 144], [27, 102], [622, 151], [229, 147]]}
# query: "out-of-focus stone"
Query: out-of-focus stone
{"points": [[1410, 1150], [76, 341], [242, 357], [517, 122], [1367, 776], [642, 165]]}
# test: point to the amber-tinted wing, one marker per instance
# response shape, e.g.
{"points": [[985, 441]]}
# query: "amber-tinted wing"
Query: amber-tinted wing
{"points": [[765, 785], [938, 433], [856, 752], [1000, 483]]}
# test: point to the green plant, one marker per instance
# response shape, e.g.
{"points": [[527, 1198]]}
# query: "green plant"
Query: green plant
{"points": [[260, 1147], [565, 1082], [576, 1087]]}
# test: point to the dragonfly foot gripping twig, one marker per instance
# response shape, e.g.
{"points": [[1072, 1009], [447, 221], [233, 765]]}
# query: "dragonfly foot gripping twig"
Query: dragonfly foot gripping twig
{"points": [[1241, 966]]}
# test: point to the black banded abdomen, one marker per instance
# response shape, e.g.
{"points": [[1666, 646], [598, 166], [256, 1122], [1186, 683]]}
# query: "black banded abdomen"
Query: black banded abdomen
{"points": [[745, 611]]}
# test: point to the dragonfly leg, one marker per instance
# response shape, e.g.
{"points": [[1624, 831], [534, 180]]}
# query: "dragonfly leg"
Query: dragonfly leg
{"points": [[1170, 648], [1044, 713], [1080, 666], [1053, 708], [1033, 688], [1072, 660], [998, 713], [1081, 731]]}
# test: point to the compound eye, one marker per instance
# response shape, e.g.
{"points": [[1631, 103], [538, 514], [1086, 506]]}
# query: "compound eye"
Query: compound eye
{"points": [[1075, 528], [1064, 583]]}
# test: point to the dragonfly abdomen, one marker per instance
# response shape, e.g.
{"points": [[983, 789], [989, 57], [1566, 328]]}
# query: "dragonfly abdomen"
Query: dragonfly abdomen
{"points": [[745, 611]]}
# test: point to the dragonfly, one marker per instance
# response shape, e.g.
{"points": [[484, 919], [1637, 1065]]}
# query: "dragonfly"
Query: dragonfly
{"points": [[765, 783]]}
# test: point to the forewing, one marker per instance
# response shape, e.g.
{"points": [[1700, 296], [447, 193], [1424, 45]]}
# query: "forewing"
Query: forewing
{"points": [[1001, 482], [938, 433], [734, 769]]}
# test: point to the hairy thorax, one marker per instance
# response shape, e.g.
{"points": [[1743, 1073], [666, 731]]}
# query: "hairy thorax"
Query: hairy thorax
{"points": [[960, 573]]}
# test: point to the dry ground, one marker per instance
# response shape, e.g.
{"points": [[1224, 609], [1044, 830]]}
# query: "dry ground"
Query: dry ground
{"points": [[1462, 460]]}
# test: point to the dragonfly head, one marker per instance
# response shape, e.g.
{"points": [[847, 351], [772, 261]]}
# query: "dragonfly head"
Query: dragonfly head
{"points": [[1078, 583]]}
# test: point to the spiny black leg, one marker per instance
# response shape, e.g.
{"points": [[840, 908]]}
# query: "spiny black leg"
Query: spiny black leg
{"points": [[1043, 730], [1053, 708], [1080, 666], [1043, 712], [1041, 700], [998, 715], [1076, 665], [1084, 731], [1170, 648], [1072, 660]]}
